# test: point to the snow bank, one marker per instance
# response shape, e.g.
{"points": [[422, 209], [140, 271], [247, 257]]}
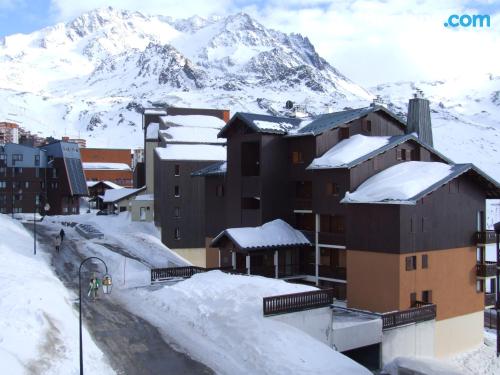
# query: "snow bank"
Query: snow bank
{"points": [[191, 152], [218, 319], [38, 325], [191, 134], [421, 366], [399, 183], [348, 150], [195, 121], [112, 166], [273, 233], [152, 131]]}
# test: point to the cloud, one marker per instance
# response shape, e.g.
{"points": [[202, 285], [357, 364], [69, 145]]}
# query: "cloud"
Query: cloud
{"points": [[371, 41]]}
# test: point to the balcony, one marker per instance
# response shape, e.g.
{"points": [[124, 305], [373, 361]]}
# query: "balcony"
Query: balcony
{"points": [[332, 272], [489, 299], [485, 237], [327, 238], [487, 269], [302, 204]]}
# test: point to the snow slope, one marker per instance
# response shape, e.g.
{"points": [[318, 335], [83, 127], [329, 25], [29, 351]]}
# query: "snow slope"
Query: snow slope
{"points": [[38, 325], [218, 319]]}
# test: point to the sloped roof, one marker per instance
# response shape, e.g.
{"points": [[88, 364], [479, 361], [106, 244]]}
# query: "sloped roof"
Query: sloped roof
{"points": [[191, 152], [216, 169], [273, 234], [263, 123], [333, 120], [408, 182], [116, 195], [394, 141]]}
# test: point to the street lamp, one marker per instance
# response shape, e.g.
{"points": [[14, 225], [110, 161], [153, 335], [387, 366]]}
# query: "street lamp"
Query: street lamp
{"points": [[107, 285], [497, 305], [44, 209]]}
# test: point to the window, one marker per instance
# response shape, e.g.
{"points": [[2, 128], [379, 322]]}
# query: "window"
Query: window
{"points": [[54, 173], [3, 157], [18, 210], [42, 185], [142, 213], [177, 170], [37, 160], [16, 171], [332, 189], [54, 185], [411, 263], [479, 286], [425, 261], [17, 157], [18, 197], [177, 212], [123, 209], [250, 203], [3, 171], [332, 224], [177, 192], [297, 157], [402, 154], [413, 299], [37, 199], [3, 184], [427, 296], [26, 184], [177, 233], [219, 191]]}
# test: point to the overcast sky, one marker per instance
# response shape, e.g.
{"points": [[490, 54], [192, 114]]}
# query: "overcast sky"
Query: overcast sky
{"points": [[370, 41]]}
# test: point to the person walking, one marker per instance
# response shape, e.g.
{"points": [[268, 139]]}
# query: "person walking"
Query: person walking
{"points": [[62, 234], [57, 243]]}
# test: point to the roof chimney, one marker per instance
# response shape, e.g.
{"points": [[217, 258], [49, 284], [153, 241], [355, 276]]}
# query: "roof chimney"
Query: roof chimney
{"points": [[419, 118]]}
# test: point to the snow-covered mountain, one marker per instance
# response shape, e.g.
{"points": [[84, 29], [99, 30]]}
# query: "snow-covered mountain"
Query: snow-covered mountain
{"points": [[91, 76]]}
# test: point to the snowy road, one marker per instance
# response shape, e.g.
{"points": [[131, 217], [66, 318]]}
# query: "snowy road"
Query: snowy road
{"points": [[132, 345]]}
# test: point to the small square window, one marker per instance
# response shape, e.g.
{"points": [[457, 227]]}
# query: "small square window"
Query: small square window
{"points": [[413, 299], [177, 212], [177, 170], [177, 234], [297, 157], [427, 296], [332, 189], [177, 191], [425, 261], [411, 263]]}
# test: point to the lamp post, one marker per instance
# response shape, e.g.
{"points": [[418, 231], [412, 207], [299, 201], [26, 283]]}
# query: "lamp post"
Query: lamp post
{"points": [[106, 287], [497, 305]]}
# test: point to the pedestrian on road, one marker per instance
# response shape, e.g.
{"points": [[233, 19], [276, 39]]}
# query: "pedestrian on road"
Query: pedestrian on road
{"points": [[94, 285], [62, 234], [57, 243]]}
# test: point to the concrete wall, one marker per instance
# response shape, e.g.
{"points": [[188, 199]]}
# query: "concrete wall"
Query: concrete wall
{"points": [[135, 207], [150, 166], [316, 322], [457, 334], [411, 340], [197, 256], [351, 336]]}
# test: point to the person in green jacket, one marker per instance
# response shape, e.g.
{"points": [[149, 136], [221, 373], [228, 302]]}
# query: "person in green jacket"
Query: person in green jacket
{"points": [[94, 285]]}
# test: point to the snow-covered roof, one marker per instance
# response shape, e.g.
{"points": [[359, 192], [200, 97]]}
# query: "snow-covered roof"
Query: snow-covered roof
{"points": [[182, 134], [154, 111], [191, 152], [264, 123], [115, 195], [198, 121], [348, 150], [107, 166], [152, 131], [276, 233], [401, 183], [110, 184], [145, 197], [216, 169]]}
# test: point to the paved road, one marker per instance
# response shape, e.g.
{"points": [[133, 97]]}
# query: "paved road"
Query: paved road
{"points": [[131, 344]]}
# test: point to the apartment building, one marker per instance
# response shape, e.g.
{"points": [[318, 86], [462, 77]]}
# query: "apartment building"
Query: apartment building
{"points": [[108, 164], [30, 177], [360, 201]]}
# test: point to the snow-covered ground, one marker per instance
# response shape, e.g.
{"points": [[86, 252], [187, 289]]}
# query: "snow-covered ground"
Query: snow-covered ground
{"points": [[139, 239], [218, 319], [38, 324]]}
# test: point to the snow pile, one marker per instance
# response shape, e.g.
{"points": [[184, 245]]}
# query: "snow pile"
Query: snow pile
{"points": [[199, 121], [152, 131], [39, 326], [348, 150], [218, 319], [113, 195], [189, 134], [112, 166], [277, 126], [273, 233], [483, 360], [191, 152], [399, 183]]}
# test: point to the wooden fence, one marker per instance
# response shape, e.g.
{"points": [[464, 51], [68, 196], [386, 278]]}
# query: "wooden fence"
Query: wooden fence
{"points": [[297, 301], [161, 274], [417, 314]]}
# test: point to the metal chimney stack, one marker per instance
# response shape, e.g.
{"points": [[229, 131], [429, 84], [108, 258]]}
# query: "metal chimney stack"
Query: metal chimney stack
{"points": [[419, 118]]}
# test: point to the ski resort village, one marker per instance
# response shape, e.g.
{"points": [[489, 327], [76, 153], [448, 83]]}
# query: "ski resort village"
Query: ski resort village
{"points": [[211, 196]]}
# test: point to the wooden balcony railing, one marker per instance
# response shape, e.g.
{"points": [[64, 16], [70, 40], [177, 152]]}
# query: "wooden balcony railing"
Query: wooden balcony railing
{"points": [[297, 301], [486, 269], [485, 237], [489, 299], [160, 274], [333, 272], [417, 314]]}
